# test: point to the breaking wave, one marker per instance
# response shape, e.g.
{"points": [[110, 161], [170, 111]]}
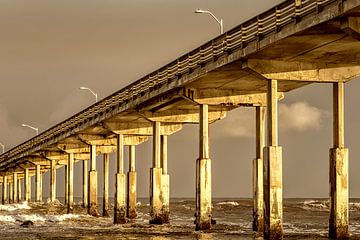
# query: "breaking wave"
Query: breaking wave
{"points": [[230, 203], [14, 207]]}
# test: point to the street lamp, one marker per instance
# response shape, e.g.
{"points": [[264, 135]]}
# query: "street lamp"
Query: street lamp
{"points": [[3, 147], [33, 128], [219, 21], [95, 94]]}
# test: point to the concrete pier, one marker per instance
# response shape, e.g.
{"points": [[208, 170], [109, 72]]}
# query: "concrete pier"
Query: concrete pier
{"points": [[85, 184], [38, 189], [258, 196], [15, 188], [70, 186], [4, 190], [273, 214], [131, 185], [66, 184], [165, 180], [119, 204], [19, 190], [106, 185], [27, 185], [11, 192], [203, 174], [52, 180], [158, 216], [93, 184], [339, 168]]}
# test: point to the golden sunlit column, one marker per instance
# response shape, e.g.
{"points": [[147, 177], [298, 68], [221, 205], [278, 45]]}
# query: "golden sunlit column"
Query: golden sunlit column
{"points": [[66, 185], [258, 196], [119, 202], [15, 187], [165, 180], [203, 174], [339, 168], [52, 180], [4, 190], [19, 190], [93, 184], [273, 204], [85, 184], [38, 189], [27, 185], [70, 186], [106, 185], [131, 185], [11, 192], [156, 200]]}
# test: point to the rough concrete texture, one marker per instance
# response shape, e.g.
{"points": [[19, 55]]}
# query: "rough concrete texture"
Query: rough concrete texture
{"points": [[119, 205], [273, 214], [131, 195], [165, 194], [203, 215], [156, 200], [4, 190], [85, 184], [11, 200], [38, 189], [339, 194], [258, 198], [93, 201]]}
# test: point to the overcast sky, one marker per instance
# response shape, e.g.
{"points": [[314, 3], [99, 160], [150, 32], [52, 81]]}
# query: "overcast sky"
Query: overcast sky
{"points": [[50, 48]]}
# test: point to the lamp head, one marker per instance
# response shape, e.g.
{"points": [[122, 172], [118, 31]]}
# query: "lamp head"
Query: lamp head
{"points": [[83, 88], [199, 10], [23, 125]]}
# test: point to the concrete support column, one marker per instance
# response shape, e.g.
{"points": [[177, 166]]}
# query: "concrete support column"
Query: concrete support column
{"points": [[38, 188], [106, 185], [156, 198], [19, 190], [339, 168], [165, 180], [131, 185], [70, 186], [119, 204], [203, 174], [15, 187], [53, 180], [258, 196], [93, 184], [4, 190], [273, 210], [11, 192], [85, 184], [66, 185], [27, 185]]}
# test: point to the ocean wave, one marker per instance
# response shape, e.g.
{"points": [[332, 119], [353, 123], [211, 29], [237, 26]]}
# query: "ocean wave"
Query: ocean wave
{"points": [[37, 218], [231, 203], [316, 204], [13, 207]]}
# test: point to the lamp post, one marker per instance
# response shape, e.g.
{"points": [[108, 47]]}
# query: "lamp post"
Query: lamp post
{"points": [[95, 94], [219, 21], [33, 128], [3, 147]]}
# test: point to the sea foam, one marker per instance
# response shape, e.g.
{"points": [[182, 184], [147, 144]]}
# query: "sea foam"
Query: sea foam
{"points": [[13, 207]]}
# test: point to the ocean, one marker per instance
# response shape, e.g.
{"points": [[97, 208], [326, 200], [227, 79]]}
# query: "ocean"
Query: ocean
{"points": [[303, 219]]}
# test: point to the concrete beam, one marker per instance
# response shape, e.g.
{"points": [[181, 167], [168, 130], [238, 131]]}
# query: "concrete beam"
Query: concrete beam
{"points": [[181, 116], [140, 128], [302, 71], [226, 97], [351, 26]]}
